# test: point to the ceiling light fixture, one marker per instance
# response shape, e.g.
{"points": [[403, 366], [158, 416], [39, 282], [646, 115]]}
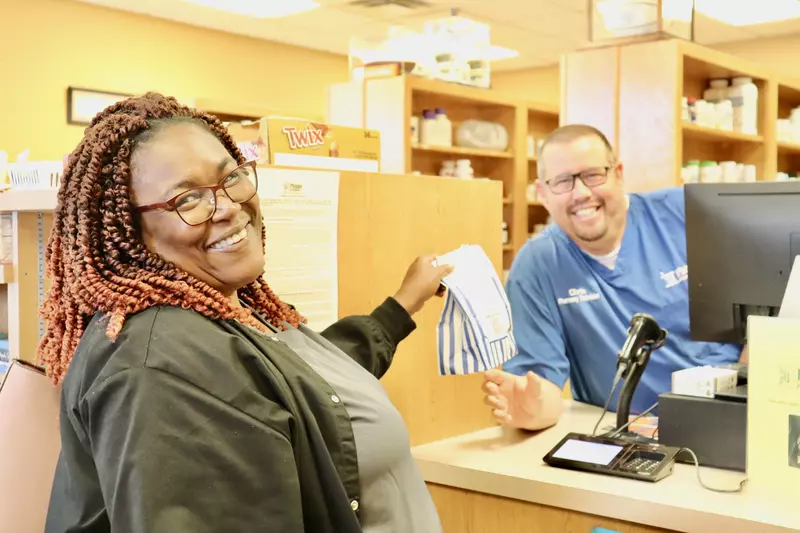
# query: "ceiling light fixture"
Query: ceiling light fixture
{"points": [[465, 36], [747, 13], [259, 8]]}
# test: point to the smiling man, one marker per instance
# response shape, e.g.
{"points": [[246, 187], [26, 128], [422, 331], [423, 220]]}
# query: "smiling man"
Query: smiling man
{"points": [[574, 288]]}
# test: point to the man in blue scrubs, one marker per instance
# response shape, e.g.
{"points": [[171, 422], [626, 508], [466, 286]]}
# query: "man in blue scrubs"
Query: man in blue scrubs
{"points": [[574, 288]]}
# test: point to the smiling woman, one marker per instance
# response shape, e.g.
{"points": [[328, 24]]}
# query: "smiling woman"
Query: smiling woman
{"points": [[194, 399], [137, 151], [190, 163]]}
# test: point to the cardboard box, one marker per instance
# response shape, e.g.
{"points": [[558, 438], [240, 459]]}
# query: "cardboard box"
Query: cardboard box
{"points": [[302, 143], [703, 381]]}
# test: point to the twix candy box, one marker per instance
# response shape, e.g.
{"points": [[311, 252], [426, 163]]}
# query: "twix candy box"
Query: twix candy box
{"points": [[303, 143]]}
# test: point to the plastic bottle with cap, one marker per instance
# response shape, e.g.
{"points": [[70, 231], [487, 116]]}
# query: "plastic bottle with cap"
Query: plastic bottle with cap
{"points": [[464, 169], [444, 128], [448, 169], [743, 94], [427, 130]]}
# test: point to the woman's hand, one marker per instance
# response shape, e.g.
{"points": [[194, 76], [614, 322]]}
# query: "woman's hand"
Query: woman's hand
{"points": [[422, 281]]}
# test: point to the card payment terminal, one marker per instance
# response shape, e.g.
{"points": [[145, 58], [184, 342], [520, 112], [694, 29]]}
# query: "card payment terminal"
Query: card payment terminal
{"points": [[613, 457]]}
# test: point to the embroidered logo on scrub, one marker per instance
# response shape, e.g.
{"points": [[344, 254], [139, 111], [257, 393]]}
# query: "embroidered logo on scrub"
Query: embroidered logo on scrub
{"points": [[675, 277], [577, 296]]}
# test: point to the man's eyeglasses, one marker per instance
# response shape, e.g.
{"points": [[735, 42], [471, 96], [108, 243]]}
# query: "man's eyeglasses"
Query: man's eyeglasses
{"points": [[199, 204], [591, 177]]}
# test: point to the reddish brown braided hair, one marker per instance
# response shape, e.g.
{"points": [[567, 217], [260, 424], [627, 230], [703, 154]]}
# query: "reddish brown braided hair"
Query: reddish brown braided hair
{"points": [[96, 257]]}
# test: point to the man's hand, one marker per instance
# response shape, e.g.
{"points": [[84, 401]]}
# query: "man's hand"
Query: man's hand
{"points": [[515, 400], [421, 282], [521, 401]]}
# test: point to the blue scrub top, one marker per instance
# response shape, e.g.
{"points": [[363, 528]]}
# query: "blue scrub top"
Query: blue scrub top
{"points": [[571, 313]]}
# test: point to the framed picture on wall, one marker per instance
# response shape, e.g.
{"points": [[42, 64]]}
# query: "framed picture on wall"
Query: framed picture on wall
{"points": [[84, 104]]}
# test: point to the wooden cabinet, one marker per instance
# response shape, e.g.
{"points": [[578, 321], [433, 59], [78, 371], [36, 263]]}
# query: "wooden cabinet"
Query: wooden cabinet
{"points": [[387, 105], [633, 93]]}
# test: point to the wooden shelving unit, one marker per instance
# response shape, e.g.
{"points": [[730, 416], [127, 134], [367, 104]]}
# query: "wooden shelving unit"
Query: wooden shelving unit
{"points": [[788, 157], [457, 151], [693, 132], [636, 102], [387, 105], [22, 283], [541, 121], [699, 65]]}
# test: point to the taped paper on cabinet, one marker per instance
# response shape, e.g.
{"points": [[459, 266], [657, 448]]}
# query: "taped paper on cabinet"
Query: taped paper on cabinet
{"points": [[300, 211], [475, 330]]}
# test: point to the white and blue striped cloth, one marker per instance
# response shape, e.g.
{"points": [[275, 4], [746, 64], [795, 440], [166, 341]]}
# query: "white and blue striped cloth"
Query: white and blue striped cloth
{"points": [[475, 331]]}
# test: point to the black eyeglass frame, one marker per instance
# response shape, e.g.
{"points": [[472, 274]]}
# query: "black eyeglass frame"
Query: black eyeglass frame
{"points": [[582, 175], [169, 205]]}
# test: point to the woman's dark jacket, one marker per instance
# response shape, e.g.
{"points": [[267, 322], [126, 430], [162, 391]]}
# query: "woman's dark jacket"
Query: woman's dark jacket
{"points": [[184, 424]]}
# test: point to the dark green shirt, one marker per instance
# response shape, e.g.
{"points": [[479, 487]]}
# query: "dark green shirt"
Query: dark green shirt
{"points": [[184, 424]]}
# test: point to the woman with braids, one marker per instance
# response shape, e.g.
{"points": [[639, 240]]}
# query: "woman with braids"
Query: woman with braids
{"points": [[194, 400]]}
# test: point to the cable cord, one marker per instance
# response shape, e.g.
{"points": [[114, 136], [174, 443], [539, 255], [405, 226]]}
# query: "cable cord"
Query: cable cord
{"points": [[712, 489], [632, 420], [614, 385], [690, 452]]}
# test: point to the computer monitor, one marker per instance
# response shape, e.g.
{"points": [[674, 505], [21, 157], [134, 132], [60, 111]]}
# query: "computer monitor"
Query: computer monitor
{"points": [[741, 240]]}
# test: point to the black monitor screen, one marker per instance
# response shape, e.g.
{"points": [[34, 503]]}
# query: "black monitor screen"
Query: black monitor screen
{"points": [[741, 240]]}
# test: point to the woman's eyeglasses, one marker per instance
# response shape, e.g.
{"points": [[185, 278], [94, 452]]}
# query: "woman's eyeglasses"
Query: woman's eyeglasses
{"points": [[199, 204]]}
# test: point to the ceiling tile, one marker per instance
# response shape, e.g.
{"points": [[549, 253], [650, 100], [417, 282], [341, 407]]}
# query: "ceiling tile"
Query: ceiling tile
{"points": [[540, 30], [331, 20], [541, 16]]}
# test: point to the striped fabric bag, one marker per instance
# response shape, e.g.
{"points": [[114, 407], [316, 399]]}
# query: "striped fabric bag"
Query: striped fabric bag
{"points": [[475, 331]]}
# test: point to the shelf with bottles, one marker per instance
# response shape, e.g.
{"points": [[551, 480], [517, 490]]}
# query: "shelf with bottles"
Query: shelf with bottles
{"points": [[438, 164], [710, 171], [482, 126], [788, 130], [532, 195], [712, 155], [723, 118], [445, 125], [728, 93], [542, 119], [506, 236], [722, 108]]}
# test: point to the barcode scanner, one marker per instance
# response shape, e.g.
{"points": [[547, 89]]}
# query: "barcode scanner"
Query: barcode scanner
{"points": [[644, 336]]}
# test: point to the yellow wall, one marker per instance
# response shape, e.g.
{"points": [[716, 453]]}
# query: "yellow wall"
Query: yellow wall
{"points": [[542, 84], [48, 45], [780, 54]]}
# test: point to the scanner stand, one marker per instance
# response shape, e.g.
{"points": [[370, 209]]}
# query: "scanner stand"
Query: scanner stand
{"points": [[633, 374]]}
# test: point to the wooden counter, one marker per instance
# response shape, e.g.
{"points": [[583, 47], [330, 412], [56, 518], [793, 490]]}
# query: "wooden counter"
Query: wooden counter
{"points": [[494, 480]]}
